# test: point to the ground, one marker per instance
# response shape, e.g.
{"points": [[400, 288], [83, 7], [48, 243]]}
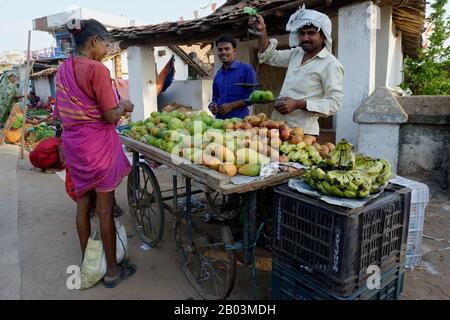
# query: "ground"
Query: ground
{"points": [[41, 242]]}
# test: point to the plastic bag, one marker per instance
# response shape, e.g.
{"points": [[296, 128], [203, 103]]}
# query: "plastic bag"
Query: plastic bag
{"points": [[94, 265]]}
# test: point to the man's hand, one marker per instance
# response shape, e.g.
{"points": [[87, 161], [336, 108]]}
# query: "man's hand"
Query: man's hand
{"points": [[214, 108], [225, 109], [257, 23], [286, 105]]}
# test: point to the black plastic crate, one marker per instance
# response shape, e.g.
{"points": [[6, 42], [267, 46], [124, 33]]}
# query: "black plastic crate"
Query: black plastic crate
{"points": [[335, 245], [289, 285]]}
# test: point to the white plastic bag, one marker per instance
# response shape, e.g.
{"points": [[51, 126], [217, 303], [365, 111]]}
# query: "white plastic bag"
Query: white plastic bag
{"points": [[94, 265]]}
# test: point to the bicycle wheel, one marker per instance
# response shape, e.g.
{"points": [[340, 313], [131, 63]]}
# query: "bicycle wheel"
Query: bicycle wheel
{"points": [[146, 204], [209, 266]]}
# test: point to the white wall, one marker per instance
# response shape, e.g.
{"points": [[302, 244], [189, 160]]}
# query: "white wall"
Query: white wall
{"points": [[395, 72], [357, 53], [181, 69], [389, 60], [195, 93], [42, 88]]}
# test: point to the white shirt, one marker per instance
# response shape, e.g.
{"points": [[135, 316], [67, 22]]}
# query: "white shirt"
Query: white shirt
{"points": [[319, 81]]}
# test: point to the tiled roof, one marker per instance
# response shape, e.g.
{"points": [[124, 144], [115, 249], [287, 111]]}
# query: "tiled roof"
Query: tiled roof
{"points": [[408, 17]]}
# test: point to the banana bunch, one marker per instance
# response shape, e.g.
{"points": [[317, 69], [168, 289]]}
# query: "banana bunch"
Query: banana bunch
{"points": [[301, 153], [341, 158], [378, 170], [346, 184]]}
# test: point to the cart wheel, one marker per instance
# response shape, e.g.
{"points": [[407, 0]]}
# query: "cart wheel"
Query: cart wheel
{"points": [[146, 204], [208, 264]]}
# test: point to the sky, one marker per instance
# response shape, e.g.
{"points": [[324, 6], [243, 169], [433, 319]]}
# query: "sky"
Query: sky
{"points": [[16, 16]]}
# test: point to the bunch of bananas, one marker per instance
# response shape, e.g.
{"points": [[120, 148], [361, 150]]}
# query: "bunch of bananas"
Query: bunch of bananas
{"points": [[301, 153], [341, 158], [378, 170], [346, 184]]}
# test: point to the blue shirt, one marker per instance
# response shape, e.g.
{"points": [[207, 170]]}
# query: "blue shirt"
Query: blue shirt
{"points": [[225, 89]]}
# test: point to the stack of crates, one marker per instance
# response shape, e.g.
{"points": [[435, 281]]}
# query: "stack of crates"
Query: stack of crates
{"points": [[420, 195], [321, 251]]}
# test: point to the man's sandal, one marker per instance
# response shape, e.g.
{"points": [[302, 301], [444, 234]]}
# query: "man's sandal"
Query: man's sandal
{"points": [[126, 271]]}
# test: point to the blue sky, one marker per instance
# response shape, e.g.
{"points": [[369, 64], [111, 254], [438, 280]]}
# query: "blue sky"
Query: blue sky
{"points": [[16, 16]]}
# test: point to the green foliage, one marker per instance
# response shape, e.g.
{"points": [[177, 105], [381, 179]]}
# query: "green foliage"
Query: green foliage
{"points": [[428, 73]]}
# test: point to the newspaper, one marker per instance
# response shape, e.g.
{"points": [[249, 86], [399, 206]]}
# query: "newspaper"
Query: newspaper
{"points": [[304, 188]]}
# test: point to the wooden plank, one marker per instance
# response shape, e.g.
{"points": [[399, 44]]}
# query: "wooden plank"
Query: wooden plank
{"points": [[213, 178], [208, 177]]}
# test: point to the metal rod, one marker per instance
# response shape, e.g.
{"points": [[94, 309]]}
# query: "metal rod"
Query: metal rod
{"points": [[175, 189]]}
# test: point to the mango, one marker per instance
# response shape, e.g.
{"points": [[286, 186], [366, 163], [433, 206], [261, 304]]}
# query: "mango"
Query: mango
{"points": [[175, 124], [224, 154], [228, 168], [250, 156], [251, 170]]}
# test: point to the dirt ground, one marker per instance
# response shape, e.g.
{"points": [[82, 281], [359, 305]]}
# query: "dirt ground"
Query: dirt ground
{"points": [[49, 244]]}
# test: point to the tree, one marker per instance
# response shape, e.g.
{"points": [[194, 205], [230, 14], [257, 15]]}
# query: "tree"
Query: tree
{"points": [[428, 74]]}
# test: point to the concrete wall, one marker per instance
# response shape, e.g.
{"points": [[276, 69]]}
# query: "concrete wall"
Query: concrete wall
{"points": [[425, 139], [195, 93], [423, 147]]}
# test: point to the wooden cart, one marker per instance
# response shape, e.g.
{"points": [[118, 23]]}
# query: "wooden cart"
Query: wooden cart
{"points": [[207, 251]]}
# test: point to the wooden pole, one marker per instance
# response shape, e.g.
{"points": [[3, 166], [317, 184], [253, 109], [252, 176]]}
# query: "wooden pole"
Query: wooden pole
{"points": [[25, 96]]}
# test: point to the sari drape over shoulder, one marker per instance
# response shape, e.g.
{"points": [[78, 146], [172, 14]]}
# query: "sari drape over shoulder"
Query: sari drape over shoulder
{"points": [[92, 148]]}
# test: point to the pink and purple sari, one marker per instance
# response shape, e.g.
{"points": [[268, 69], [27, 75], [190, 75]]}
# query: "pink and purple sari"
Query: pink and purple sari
{"points": [[92, 147]]}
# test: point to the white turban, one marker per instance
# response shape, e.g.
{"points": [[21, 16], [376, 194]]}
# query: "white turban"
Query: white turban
{"points": [[303, 17]]}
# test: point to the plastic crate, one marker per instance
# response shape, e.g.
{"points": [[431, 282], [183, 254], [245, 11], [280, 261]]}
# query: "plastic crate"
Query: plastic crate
{"points": [[333, 245], [414, 249], [420, 195], [289, 285]]}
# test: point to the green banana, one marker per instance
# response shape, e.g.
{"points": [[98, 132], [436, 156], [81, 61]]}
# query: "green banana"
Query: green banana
{"points": [[386, 173], [351, 186], [321, 188], [363, 193], [337, 192], [328, 187], [318, 173], [350, 194]]}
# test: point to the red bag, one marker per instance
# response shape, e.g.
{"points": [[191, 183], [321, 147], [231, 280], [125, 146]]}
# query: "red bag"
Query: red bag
{"points": [[45, 155], [69, 186]]}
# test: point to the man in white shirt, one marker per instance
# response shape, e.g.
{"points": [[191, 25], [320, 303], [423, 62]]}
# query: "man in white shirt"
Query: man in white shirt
{"points": [[313, 85]]}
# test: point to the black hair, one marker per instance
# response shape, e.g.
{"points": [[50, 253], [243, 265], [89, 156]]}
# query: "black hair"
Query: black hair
{"points": [[83, 30], [307, 26], [227, 39]]}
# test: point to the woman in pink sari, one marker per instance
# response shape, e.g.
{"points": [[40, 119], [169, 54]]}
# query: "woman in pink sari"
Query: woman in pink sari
{"points": [[89, 111]]}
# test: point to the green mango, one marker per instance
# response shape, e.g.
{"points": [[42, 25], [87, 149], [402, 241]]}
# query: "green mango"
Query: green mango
{"points": [[196, 125], [175, 123], [267, 95], [162, 133], [155, 114], [207, 120], [165, 118], [150, 126], [155, 132], [217, 124]]}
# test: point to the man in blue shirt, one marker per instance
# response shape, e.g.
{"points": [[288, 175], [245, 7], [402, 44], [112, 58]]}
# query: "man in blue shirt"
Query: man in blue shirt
{"points": [[229, 99]]}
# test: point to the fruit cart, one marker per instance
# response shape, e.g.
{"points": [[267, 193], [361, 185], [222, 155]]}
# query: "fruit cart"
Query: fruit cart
{"points": [[207, 251]]}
